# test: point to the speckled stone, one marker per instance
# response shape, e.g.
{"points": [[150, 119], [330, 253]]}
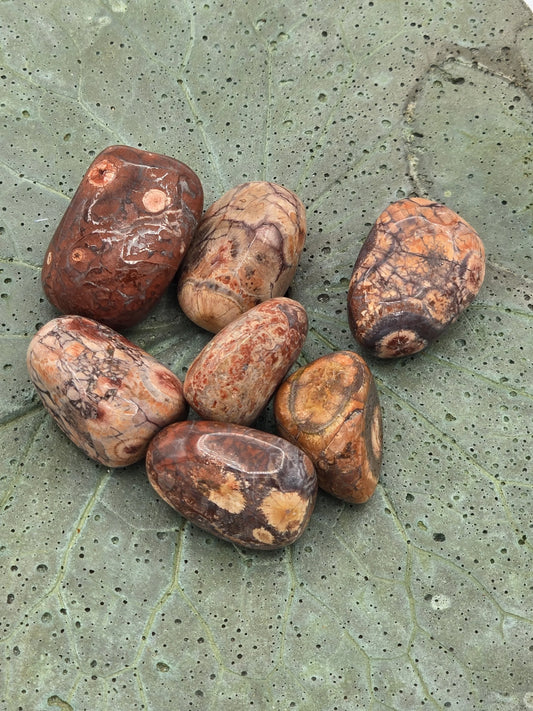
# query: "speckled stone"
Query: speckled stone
{"points": [[248, 487], [330, 409], [419, 267], [245, 251], [235, 375], [123, 236], [105, 393]]}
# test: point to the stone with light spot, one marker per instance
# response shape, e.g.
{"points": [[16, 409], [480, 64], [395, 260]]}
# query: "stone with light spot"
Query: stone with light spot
{"points": [[330, 409], [123, 236], [249, 487], [419, 268]]}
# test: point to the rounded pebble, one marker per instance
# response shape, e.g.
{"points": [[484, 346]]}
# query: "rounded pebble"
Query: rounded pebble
{"points": [[105, 393], [235, 375], [245, 251], [248, 487], [330, 409], [419, 267], [123, 236]]}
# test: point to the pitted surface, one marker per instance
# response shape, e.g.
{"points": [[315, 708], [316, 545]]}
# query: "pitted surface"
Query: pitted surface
{"points": [[418, 599]]}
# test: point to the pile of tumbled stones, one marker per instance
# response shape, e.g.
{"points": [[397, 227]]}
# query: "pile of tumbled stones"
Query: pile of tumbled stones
{"points": [[135, 220]]}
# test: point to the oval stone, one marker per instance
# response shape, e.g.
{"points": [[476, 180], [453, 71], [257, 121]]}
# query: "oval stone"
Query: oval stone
{"points": [[248, 487], [330, 409], [419, 267], [245, 251], [123, 236], [235, 375], [105, 393]]}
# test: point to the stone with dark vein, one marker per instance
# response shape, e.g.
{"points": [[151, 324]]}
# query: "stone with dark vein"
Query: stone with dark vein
{"points": [[419, 268], [107, 395], [245, 251]]}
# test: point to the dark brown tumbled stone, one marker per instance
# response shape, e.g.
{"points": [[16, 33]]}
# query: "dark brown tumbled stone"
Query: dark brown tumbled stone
{"points": [[104, 392], [123, 236], [236, 373], [248, 487], [245, 251], [419, 267], [330, 409]]}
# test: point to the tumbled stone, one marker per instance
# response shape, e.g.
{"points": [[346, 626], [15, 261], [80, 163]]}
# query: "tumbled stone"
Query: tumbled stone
{"points": [[245, 251], [248, 487], [105, 393], [330, 409], [123, 236], [419, 268], [235, 375]]}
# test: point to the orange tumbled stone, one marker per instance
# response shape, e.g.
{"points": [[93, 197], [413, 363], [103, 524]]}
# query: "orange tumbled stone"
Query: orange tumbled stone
{"points": [[330, 409], [236, 373], [419, 268]]}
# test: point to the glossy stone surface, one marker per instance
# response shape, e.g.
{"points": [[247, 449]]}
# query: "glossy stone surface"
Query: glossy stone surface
{"points": [[245, 486], [419, 267], [245, 251], [105, 393], [330, 409], [123, 236], [237, 372]]}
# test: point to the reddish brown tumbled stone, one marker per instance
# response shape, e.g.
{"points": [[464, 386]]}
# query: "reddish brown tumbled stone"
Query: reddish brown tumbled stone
{"points": [[245, 251], [123, 236], [245, 486], [330, 409], [419, 267], [235, 375], [105, 393]]}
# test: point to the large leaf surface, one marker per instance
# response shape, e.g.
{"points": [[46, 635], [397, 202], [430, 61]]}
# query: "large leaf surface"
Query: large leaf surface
{"points": [[420, 598]]}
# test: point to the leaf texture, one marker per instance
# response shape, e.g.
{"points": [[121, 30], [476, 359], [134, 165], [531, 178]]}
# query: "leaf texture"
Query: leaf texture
{"points": [[419, 599]]}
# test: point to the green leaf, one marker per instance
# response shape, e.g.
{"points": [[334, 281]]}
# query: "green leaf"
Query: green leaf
{"points": [[420, 598]]}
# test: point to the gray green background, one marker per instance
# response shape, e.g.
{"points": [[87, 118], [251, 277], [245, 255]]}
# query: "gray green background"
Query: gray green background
{"points": [[421, 598]]}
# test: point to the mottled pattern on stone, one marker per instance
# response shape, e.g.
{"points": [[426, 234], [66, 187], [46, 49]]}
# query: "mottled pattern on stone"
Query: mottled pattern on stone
{"points": [[123, 236], [419, 267], [105, 393], [245, 486], [245, 251], [330, 409], [235, 375]]}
